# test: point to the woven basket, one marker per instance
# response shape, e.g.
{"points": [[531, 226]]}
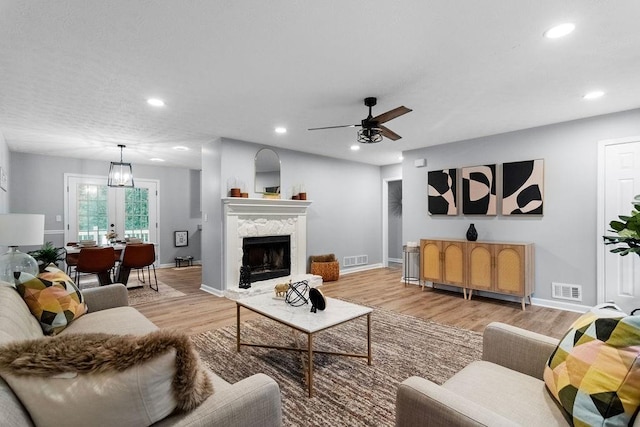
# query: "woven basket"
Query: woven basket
{"points": [[329, 271]]}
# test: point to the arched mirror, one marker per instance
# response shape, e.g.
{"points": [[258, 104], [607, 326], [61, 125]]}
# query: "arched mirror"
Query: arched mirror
{"points": [[267, 171]]}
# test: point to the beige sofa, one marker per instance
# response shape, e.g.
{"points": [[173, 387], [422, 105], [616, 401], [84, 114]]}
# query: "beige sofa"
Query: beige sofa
{"points": [[504, 389], [252, 401]]}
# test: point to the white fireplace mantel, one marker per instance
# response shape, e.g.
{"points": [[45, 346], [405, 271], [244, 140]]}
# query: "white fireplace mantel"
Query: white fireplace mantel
{"points": [[263, 217]]}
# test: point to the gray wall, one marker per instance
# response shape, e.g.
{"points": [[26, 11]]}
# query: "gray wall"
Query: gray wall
{"points": [[212, 257], [565, 236], [4, 163], [345, 214], [37, 184]]}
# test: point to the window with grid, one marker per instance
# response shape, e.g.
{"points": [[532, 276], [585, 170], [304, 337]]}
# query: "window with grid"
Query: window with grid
{"points": [[92, 211], [137, 213]]}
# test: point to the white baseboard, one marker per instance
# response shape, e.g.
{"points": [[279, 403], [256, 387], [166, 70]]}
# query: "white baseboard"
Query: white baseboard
{"points": [[396, 260], [566, 306], [361, 268], [213, 291]]}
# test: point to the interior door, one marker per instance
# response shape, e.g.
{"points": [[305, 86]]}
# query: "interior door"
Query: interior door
{"points": [[621, 184]]}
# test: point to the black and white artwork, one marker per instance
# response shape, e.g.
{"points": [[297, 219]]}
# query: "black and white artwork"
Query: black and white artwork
{"points": [[479, 190], [523, 187], [442, 191]]}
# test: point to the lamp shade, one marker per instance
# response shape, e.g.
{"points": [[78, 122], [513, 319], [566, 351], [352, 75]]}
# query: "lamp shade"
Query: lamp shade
{"points": [[21, 229]]}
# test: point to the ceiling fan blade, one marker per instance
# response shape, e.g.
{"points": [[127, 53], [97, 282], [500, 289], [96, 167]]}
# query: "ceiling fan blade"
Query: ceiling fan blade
{"points": [[391, 114], [388, 133], [335, 127]]}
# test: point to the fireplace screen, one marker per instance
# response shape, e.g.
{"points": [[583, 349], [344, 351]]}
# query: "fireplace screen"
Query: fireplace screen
{"points": [[268, 256]]}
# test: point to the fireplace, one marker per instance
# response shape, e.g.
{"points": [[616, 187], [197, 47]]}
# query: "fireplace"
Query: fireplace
{"points": [[268, 257]]}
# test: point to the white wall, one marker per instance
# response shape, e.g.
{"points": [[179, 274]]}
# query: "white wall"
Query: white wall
{"points": [[565, 236]]}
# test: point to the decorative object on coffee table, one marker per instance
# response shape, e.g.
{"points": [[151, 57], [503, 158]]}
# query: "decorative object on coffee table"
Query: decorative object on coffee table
{"points": [[281, 289], [472, 234], [245, 277], [19, 230], [318, 302], [296, 295]]}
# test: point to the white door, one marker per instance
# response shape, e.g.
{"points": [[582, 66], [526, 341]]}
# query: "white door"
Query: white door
{"points": [[92, 209], [621, 182]]}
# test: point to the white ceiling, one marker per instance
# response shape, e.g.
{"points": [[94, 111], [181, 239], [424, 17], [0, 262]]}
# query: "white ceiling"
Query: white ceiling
{"points": [[75, 74]]}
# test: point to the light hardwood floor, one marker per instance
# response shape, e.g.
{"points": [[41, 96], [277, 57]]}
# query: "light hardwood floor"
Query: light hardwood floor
{"points": [[199, 311]]}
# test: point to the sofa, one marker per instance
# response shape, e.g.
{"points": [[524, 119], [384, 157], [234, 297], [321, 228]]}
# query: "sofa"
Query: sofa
{"points": [[252, 401], [505, 388]]}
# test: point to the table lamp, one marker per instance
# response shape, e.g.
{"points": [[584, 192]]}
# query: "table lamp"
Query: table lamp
{"points": [[19, 230]]}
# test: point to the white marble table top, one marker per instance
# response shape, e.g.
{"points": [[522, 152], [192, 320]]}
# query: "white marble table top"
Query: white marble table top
{"points": [[301, 318]]}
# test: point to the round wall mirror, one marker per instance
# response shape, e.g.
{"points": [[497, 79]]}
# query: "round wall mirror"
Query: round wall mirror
{"points": [[267, 171]]}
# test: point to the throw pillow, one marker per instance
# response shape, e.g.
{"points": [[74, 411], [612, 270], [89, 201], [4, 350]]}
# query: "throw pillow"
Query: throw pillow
{"points": [[52, 298], [594, 372], [105, 380]]}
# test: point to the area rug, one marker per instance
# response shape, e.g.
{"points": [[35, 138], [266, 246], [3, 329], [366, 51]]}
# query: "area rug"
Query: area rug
{"points": [[139, 295], [348, 392], [145, 294]]}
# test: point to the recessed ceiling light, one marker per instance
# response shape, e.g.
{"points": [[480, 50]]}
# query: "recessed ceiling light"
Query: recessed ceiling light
{"points": [[181, 148], [156, 159], [281, 130], [559, 30], [593, 95], [155, 102], [401, 158], [355, 147]]}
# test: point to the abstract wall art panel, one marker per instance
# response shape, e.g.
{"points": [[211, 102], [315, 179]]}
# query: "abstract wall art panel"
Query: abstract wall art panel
{"points": [[442, 191], [523, 187], [479, 190]]}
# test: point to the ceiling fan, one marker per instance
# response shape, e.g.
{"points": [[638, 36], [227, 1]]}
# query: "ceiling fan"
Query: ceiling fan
{"points": [[372, 130]]}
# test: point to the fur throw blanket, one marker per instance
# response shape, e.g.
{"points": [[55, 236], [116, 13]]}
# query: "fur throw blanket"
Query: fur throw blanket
{"points": [[99, 353]]}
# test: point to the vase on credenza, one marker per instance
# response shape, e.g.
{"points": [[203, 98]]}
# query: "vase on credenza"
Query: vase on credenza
{"points": [[472, 234]]}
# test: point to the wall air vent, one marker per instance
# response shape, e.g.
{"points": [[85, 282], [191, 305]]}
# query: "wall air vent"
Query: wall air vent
{"points": [[351, 261], [567, 291]]}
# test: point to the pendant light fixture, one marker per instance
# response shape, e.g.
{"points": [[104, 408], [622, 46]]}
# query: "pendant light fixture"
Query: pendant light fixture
{"points": [[120, 173]]}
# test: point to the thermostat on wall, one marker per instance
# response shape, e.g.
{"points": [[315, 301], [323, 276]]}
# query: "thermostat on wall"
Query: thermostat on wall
{"points": [[420, 163]]}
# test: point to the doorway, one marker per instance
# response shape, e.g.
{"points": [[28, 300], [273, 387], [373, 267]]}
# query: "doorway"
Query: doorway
{"points": [[618, 182], [92, 209], [392, 221]]}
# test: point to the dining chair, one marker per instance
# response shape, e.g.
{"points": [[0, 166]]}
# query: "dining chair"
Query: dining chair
{"points": [[139, 256], [99, 261], [70, 259]]}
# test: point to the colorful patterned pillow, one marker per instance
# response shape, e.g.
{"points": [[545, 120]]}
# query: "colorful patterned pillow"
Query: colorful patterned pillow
{"points": [[52, 297], [594, 373]]}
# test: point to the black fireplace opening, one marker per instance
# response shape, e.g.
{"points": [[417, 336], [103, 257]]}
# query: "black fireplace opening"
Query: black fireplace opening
{"points": [[267, 257]]}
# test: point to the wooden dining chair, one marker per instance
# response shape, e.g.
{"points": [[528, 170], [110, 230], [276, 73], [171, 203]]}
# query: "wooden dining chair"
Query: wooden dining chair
{"points": [[139, 256], [99, 261], [70, 259]]}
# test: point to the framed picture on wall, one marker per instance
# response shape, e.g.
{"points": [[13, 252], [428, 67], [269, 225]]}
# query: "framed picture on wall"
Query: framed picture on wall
{"points": [[181, 238], [479, 190], [523, 187], [442, 192], [3, 179]]}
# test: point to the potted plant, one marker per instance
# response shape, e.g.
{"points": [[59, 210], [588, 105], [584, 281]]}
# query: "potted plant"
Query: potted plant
{"points": [[48, 254], [628, 229]]}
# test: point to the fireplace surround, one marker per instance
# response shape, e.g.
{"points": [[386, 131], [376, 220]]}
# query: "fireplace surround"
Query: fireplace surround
{"points": [[250, 218]]}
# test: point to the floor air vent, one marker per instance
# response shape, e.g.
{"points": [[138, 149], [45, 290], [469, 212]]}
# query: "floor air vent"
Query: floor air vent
{"points": [[566, 291], [350, 261]]}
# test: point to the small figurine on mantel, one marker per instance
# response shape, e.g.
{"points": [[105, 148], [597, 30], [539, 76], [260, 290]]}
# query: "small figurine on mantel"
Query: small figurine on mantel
{"points": [[245, 277]]}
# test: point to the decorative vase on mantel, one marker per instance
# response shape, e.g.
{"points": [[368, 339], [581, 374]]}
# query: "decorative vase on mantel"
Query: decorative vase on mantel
{"points": [[472, 234]]}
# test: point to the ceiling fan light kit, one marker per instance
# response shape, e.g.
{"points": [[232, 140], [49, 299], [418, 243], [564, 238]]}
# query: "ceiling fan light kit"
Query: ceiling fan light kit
{"points": [[372, 130]]}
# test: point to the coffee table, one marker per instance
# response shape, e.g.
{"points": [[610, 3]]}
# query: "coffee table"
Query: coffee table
{"points": [[301, 319]]}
